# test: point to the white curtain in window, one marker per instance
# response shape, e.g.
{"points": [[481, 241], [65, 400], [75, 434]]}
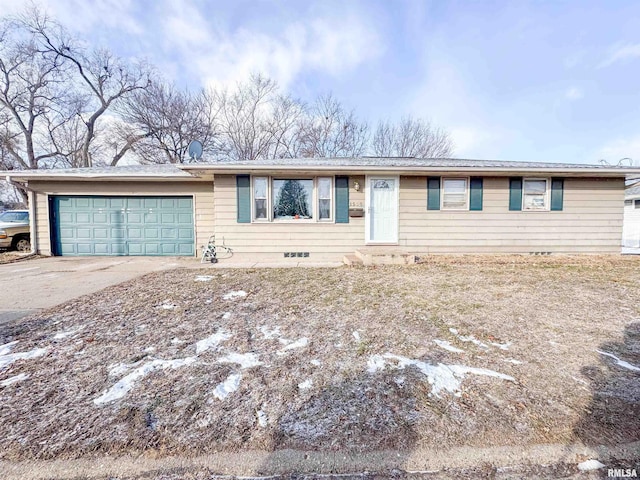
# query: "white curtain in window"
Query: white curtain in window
{"points": [[454, 193]]}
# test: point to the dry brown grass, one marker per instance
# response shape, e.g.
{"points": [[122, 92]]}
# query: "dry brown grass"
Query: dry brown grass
{"points": [[555, 312], [10, 256]]}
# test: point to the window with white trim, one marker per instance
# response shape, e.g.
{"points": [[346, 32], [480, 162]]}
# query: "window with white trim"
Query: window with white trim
{"points": [[260, 199], [324, 198], [636, 204], [292, 199], [455, 194], [535, 194]]}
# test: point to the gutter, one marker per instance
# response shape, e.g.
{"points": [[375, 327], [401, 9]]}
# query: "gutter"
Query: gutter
{"points": [[32, 212]]}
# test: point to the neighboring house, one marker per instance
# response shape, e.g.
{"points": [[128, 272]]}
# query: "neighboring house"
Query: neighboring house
{"points": [[323, 209], [631, 224]]}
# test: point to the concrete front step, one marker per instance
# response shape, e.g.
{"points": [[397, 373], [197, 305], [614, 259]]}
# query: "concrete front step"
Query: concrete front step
{"points": [[352, 260], [385, 256]]}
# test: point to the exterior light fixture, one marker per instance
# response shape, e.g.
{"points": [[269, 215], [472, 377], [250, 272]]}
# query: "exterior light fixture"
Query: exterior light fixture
{"points": [[356, 186]]}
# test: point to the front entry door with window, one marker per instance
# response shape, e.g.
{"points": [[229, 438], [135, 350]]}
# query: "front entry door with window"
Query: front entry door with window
{"points": [[382, 218]]}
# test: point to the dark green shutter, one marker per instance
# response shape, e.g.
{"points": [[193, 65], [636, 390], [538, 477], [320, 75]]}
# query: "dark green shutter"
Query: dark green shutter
{"points": [[433, 193], [515, 193], [557, 193], [243, 195], [342, 199], [475, 194]]}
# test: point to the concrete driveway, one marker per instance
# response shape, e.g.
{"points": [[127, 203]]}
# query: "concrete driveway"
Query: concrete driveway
{"points": [[32, 285]]}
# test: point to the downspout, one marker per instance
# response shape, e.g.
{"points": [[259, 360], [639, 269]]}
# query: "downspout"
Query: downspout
{"points": [[32, 211]]}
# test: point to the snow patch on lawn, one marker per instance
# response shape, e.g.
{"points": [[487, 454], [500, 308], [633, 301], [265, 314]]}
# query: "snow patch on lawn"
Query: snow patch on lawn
{"points": [[447, 346], [7, 347], [8, 358], [126, 383], [226, 316], [468, 338], [441, 376], [68, 333], [204, 278], [176, 341], [307, 384], [230, 385], [501, 346], [315, 362], [167, 306], [211, 341], [300, 343], [622, 363], [263, 420], [590, 465], [245, 360], [513, 360], [14, 379], [234, 294], [117, 369], [356, 335], [269, 334]]}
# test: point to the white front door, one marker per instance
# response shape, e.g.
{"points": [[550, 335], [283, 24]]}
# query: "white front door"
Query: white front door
{"points": [[382, 210]]}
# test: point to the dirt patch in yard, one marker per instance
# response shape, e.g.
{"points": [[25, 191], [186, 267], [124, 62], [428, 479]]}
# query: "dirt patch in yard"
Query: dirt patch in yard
{"points": [[475, 351]]}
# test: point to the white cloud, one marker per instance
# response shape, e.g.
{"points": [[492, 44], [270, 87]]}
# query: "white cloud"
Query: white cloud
{"points": [[620, 53], [220, 56], [474, 142], [574, 93]]}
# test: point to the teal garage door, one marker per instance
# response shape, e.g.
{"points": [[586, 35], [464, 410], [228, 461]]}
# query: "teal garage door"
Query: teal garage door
{"points": [[91, 225]]}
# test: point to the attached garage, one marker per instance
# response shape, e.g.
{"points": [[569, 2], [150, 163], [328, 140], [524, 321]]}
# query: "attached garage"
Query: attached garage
{"points": [[122, 225]]}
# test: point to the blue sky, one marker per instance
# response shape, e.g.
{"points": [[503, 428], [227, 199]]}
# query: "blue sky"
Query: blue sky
{"points": [[541, 81]]}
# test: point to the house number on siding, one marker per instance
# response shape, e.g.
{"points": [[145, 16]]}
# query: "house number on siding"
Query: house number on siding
{"points": [[356, 205]]}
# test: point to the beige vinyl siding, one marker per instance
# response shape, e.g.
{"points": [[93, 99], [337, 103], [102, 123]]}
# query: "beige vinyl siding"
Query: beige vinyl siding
{"points": [[270, 240], [202, 193], [590, 222]]}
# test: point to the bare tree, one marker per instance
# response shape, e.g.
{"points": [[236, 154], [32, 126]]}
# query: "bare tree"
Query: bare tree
{"points": [[246, 121], [330, 131], [411, 137], [101, 78], [32, 99], [161, 121], [287, 118]]}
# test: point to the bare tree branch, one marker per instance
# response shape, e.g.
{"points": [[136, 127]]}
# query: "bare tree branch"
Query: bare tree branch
{"points": [[411, 137]]}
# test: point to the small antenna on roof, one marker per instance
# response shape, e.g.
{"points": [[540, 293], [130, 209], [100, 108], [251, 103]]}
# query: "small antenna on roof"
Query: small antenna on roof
{"points": [[195, 150]]}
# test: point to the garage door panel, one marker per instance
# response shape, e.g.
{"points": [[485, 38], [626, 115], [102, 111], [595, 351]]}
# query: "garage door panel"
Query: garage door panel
{"points": [[134, 218], [152, 249], [124, 225], [168, 219], [168, 248], [185, 203], [185, 234], [185, 249], [169, 233], [83, 234], [84, 248], [100, 218]]}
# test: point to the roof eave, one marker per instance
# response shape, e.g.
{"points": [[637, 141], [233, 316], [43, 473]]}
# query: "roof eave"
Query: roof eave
{"points": [[109, 178], [415, 170]]}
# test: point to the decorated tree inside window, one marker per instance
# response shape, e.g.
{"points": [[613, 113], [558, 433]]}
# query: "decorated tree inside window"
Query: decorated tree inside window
{"points": [[292, 200]]}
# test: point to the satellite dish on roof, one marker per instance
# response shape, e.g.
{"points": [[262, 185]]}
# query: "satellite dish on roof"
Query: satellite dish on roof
{"points": [[195, 150]]}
